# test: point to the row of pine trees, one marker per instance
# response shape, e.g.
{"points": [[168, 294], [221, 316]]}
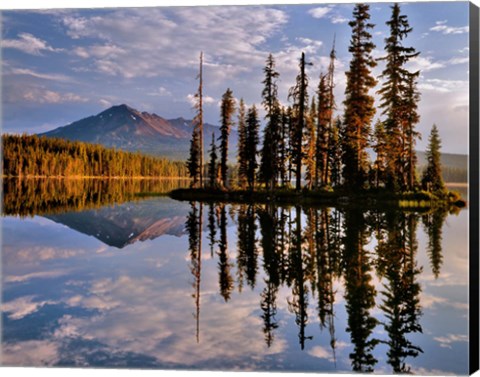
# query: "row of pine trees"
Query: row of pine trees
{"points": [[31, 155], [306, 142]]}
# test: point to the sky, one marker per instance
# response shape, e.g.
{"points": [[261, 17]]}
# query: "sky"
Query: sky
{"points": [[59, 66]]}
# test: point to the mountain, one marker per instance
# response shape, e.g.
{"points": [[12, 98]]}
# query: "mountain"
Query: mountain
{"points": [[459, 161], [124, 224], [128, 129]]}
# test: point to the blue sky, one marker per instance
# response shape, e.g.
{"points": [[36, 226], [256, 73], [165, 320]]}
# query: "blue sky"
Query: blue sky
{"points": [[62, 65]]}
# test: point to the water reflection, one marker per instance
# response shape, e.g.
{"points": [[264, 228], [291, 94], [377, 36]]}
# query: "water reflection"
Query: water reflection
{"points": [[221, 286], [29, 197], [306, 250]]}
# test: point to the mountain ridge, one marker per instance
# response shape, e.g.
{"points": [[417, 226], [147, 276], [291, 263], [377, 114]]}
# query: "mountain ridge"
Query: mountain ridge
{"points": [[126, 128]]}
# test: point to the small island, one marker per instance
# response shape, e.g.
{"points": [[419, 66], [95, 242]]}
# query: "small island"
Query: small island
{"points": [[310, 156]]}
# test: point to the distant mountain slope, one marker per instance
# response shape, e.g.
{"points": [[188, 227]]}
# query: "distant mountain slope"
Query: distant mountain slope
{"points": [[459, 161], [128, 129]]}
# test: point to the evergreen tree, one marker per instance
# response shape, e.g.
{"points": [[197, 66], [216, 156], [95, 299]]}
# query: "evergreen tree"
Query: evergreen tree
{"points": [[310, 144], [212, 166], [253, 124], [412, 118], [359, 108], [299, 94], [227, 110], [283, 146], [269, 166], [380, 148], [242, 156], [193, 162], [395, 104], [432, 176], [323, 122], [335, 153]]}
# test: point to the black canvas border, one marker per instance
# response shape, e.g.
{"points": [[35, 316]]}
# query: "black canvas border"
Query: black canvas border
{"points": [[473, 191]]}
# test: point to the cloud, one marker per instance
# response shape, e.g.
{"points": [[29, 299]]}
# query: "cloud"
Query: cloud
{"points": [[46, 96], [424, 64], [337, 19], [442, 86], [39, 75], [326, 12], [34, 275], [160, 92], [207, 100], [29, 44], [21, 307], [321, 353], [31, 352], [442, 27], [146, 42], [446, 341], [319, 12]]}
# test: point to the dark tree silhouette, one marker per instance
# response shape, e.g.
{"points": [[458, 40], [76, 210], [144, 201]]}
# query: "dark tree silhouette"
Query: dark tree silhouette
{"points": [[299, 94], [359, 109], [432, 176], [227, 110]]}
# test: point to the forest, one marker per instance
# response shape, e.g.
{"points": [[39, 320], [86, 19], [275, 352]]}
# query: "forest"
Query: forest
{"points": [[33, 156], [308, 145]]}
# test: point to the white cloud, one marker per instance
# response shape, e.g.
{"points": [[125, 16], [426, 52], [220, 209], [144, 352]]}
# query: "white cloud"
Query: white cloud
{"points": [[321, 353], [21, 307], [39, 75], [207, 100], [424, 64], [441, 26], [45, 96], [144, 43], [319, 12], [337, 19], [160, 92], [446, 341], [442, 86], [34, 275], [30, 353], [28, 44]]}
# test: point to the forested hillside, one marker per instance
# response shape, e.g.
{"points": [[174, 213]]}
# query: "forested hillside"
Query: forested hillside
{"points": [[40, 156]]}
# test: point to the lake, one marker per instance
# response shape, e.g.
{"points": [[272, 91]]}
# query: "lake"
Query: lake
{"points": [[100, 273]]}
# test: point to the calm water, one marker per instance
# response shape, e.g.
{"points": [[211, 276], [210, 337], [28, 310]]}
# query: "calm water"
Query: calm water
{"points": [[151, 282]]}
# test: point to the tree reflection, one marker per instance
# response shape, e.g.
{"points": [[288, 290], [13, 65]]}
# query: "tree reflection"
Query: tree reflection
{"points": [[225, 278], [433, 224], [359, 292], [298, 262], [194, 230], [312, 252], [401, 303]]}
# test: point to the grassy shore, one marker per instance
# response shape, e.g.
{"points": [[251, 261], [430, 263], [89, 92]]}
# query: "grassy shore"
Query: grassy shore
{"points": [[373, 198]]}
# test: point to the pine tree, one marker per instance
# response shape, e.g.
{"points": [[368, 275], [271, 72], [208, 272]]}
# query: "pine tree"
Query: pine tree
{"points": [[212, 166], [299, 94], [380, 148], [283, 146], [269, 166], [359, 105], [335, 153], [195, 161], [393, 101], [253, 124], [411, 119], [227, 110], [242, 156], [310, 144], [432, 176], [323, 121]]}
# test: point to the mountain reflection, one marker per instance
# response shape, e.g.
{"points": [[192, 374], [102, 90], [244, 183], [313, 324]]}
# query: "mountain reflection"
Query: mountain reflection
{"points": [[30, 197], [309, 251]]}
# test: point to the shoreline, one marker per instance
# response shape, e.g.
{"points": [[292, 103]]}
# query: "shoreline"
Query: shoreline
{"points": [[364, 199]]}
